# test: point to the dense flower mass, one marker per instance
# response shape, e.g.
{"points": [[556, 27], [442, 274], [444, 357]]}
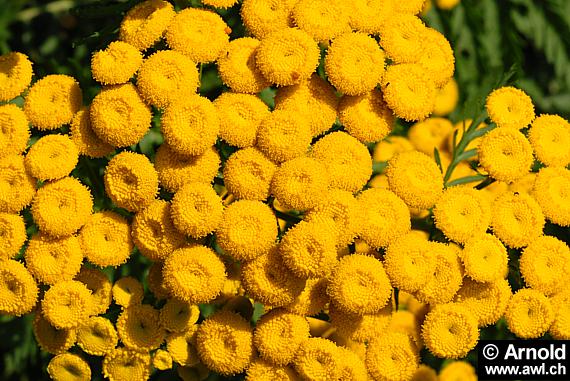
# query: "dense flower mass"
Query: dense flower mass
{"points": [[305, 219]]}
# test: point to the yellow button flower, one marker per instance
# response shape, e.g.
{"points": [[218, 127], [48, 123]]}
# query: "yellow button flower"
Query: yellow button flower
{"points": [[529, 314], [486, 301], [12, 235], [97, 336], [127, 292], [549, 136], [510, 107], [321, 19], [85, 139], [51, 339], [14, 131], [261, 17], [145, 23], [139, 329], [177, 315], [18, 289], [366, 117], [116, 64], [67, 304], [551, 191], [52, 157], [69, 367], [53, 260], [248, 174], [16, 76], [485, 258], [99, 285], [318, 359], [237, 67], [126, 364], [391, 357]]}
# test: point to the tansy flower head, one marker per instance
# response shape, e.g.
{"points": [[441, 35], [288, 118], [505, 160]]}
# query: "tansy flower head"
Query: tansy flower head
{"points": [[368, 16], [552, 191], [516, 219], [406, 322], [279, 334], [240, 116], [145, 23], [67, 304], [16, 75], [100, 286], [125, 364], [18, 289], [177, 315], [323, 20], [52, 101], [261, 17], [51, 339], [560, 328], [52, 157], [224, 343], [312, 299], [486, 301], [549, 136], [247, 230], [318, 359], [260, 370], [412, 7], [182, 346], [155, 282], [194, 274], [69, 367], [131, 181], [196, 210], [167, 76], [237, 67], [248, 174], [127, 292], [391, 146], [14, 131], [116, 64], [485, 258], [450, 331], [52, 260], [366, 117], [162, 360], [287, 56], [175, 170], [455, 370], [354, 63], [360, 328], [85, 139], [200, 34], [510, 107], [403, 38], [139, 329], [391, 357], [352, 366], [190, 125], [61, 207], [97, 336], [106, 239], [119, 116], [12, 235], [446, 98], [429, 134], [437, 57], [529, 314]]}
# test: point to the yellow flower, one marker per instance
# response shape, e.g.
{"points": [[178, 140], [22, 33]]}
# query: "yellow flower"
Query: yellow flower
{"points": [[415, 178], [347, 160], [248, 229], [125, 364], [410, 262], [406, 322], [551, 190], [391, 357], [309, 248], [155, 282], [200, 34], [52, 101], [260, 370], [299, 183], [318, 359], [97, 336], [18, 289], [12, 235], [85, 139], [284, 135], [359, 285], [360, 328], [196, 210], [352, 366], [145, 23], [450, 331], [175, 170], [100, 286], [240, 116], [429, 134], [321, 19], [447, 5], [462, 213], [446, 98], [162, 360], [267, 280], [485, 258], [549, 135], [510, 107], [278, 335], [167, 76], [51, 339], [248, 174], [369, 16], [62, 207], [182, 346], [67, 304], [385, 217], [529, 314], [116, 64], [139, 329], [425, 373], [312, 299], [354, 63], [16, 75], [457, 370], [437, 57], [237, 67], [177, 315], [391, 146], [446, 278], [224, 343], [486, 301], [106, 239], [560, 328], [127, 292], [131, 181], [52, 260], [412, 7], [261, 17], [403, 38], [516, 219], [190, 125], [69, 367], [287, 56], [409, 91], [119, 116], [52, 157], [366, 117], [14, 131], [544, 264], [194, 274]]}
